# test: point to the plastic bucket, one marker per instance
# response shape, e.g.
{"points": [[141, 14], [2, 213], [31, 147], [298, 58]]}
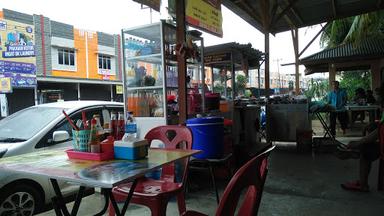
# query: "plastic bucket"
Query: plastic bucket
{"points": [[208, 135]]}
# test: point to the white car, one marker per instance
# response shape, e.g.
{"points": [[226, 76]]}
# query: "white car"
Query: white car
{"points": [[33, 129]]}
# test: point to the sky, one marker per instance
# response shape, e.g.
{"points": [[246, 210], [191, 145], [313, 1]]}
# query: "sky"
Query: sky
{"points": [[113, 15]]}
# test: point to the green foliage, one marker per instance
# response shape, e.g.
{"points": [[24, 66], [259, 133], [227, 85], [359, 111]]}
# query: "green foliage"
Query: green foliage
{"points": [[351, 80], [317, 89], [218, 88], [353, 29], [241, 83]]}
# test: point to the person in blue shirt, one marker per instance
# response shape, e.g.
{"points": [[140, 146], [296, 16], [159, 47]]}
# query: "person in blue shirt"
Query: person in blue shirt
{"points": [[338, 99]]}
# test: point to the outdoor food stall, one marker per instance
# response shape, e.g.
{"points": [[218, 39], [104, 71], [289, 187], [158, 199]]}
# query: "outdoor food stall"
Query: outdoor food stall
{"points": [[150, 73], [288, 118], [224, 62]]}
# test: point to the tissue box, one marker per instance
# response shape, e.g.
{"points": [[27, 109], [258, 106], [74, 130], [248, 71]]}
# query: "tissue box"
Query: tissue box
{"points": [[130, 150]]}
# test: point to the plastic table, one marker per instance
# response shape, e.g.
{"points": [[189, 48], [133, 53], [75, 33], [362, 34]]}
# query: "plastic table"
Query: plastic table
{"points": [[55, 165]]}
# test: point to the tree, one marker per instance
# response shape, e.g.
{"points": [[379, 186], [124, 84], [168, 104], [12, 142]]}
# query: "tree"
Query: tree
{"points": [[317, 89], [353, 29], [352, 80], [241, 83]]}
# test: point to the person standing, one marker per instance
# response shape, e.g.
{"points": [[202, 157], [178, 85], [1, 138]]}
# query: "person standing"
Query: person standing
{"points": [[338, 99]]}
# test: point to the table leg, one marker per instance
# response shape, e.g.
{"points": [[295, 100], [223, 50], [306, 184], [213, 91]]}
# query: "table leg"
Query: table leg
{"points": [[324, 123], [106, 192], [59, 203], [126, 203]]}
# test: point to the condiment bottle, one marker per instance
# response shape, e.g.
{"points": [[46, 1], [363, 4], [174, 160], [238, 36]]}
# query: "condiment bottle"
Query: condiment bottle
{"points": [[120, 126], [113, 124], [93, 143]]}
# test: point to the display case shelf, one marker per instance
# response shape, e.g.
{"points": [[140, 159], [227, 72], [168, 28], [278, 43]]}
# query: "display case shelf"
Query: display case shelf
{"points": [[145, 88], [152, 58], [150, 75]]}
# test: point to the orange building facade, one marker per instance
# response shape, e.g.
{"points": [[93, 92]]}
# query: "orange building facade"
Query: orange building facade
{"points": [[64, 62]]}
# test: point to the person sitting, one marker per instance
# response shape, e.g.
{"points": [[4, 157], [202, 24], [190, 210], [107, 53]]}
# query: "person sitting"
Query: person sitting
{"points": [[367, 150]]}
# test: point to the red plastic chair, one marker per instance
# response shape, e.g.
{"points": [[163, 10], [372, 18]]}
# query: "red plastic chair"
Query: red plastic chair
{"points": [[153, 193], [251, 177], [380, 183]]}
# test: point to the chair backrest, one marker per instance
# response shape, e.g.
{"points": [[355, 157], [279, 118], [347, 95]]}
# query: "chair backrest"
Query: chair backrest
{"points": [[173, 137], [251, 177], [381, 140]]}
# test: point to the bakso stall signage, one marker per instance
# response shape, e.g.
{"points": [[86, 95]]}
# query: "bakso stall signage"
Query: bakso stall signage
{"points": [[17, 53], [205, 15], [217, 58]]}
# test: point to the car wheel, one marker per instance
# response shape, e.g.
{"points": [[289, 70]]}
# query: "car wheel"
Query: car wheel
{"points": [[19, 200]]}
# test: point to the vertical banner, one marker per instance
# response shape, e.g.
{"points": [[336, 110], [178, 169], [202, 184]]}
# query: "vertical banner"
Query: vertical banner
{"points": [[205, 15], [3, 105], [17, 53]]}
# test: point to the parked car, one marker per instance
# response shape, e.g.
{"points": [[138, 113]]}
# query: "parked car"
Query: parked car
{"points": [[33, 129]]}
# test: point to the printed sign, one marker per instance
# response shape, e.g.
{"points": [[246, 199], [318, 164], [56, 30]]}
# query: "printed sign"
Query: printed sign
{"points": [[205, 15], [119, 89], [222, 57], [5, 85], [17, 48], [3, 105], [3, 25]]}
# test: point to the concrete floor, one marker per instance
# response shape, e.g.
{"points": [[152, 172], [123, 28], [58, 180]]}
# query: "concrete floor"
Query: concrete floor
{"points": [[297, 184]]}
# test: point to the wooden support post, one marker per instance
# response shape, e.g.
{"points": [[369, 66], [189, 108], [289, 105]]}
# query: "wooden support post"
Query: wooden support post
{"points": [[295, 39], [181, 63], [265, 6], [266, 51]]}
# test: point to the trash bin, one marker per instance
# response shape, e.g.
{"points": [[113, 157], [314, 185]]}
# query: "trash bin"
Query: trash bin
{"points": [[208, 133]]}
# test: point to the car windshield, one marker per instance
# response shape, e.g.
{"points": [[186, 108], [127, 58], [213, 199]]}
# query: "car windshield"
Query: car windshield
{"points": [[24, 124]]}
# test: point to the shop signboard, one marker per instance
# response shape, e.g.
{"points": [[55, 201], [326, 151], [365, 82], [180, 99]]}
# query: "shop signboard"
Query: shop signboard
{"points": [[217, 58], [205, 15], [17, 53]]}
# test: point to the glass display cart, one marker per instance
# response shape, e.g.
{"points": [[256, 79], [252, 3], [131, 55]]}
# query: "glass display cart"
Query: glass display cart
{"points": [[150, 73]]}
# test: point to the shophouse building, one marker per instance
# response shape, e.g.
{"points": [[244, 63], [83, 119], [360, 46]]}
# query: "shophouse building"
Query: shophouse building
{"points": [[44, 61]]}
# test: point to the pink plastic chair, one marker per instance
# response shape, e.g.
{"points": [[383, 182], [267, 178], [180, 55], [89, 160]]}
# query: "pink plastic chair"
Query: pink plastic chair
{"points": [[153, 193], [251, 177]]}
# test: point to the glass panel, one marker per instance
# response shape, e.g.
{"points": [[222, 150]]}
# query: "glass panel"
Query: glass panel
{"points": [[146, 102], [100, 62], [72, 58], [60, 56], [142, 41], [66, 57], [109, 63], [104, 62], [141, 74], [33, 120]]}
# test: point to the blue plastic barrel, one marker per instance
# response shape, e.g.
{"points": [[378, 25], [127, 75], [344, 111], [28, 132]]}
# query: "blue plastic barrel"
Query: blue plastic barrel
{"points": [[208, 135]]}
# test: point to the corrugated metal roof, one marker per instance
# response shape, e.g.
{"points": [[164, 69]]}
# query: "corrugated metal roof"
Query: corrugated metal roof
{"points": [[368, 48], [284, 15], [254, 56]]}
